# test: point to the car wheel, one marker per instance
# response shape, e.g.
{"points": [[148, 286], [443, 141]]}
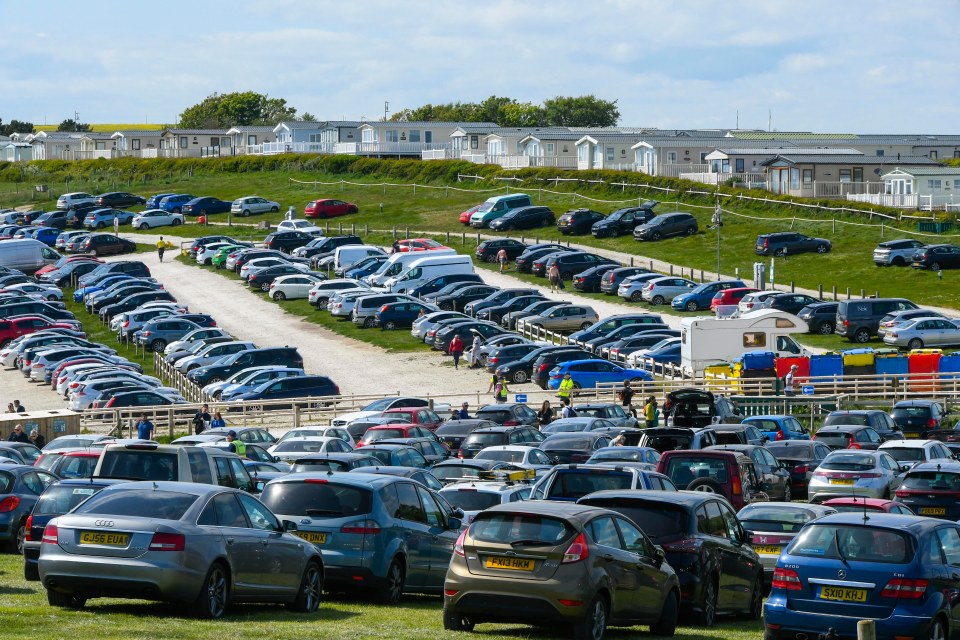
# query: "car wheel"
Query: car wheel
{"points": [[934, 266], [656, 235], [899, 261], [691, 230], [778, 252], [566, 275], [787, 493], [520, 376], [215, 380], [585, 326], [576, 385], [756, 600], [916, 343], [31, 572], [245, 213], [636, 296], [175, 222], [144, 226], [65, 600], [390, 325], [667, 624], [705, 485], [274, 209], [692, 306], [17, 546], [279, 295], [393, 589], [825, 328], [592, 626], [490, 258], [657, 301], [862, 336], [311, 590], [453, 621], [94, 252], [101, 225], [547, 222], [707, 615], [211, 603], [822, 248], [52, 298], [369, 322], [265, 287], [937, 631], [615, 233]]}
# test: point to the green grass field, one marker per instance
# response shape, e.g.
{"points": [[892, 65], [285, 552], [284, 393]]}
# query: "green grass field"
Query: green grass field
{"points": [[24, 613]]}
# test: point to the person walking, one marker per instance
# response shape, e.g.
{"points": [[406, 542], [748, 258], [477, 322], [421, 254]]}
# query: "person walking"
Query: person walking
{"points": [[626, 398], [18, 435], [201, 419], [565, 389], [546, 414], [568, 410], [116, 224], [456, 350], [475, 351], [218, 422], [553, 275], [788, 381], [395, 247], [649, 409], [161, 247], [500, 390], [144, 428], [503, 260], [37, 440]]}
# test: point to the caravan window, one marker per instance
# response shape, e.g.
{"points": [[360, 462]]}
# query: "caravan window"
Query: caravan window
{"points": [[754, 339]]}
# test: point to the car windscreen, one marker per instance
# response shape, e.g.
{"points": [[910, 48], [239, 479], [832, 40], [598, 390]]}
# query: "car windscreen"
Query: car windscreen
{"points": [[905, 413], [301, 466], [317, 498], [484, 439], [501, 455], [471, 499], [931, 481], [848, 542], [630, 455], [567, 444], [139, 503], [573, 484], [139, 465], [905, 454], [774, 519], [77, 466], [520, 529], [60, 499], [849, 462], [859, 420]]}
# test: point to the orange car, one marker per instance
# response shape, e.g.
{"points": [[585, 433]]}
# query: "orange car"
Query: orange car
{"points": [[465, 216]]}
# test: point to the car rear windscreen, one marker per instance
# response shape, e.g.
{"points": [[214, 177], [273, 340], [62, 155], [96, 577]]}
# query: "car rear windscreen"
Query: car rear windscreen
{"points": [[849, 462], [931, 481], [666, 443], [574, 484], [906, 413], [317, 499], [484, 439], [774, 519], [859, 420], [6, 482], [511, 528], [138, 503], [299, 445], [471, 500], [455, 471], [905, 454], [845, 542], [567, 444], [58, 500], [383, 434], [495, 415], [685, 470], [139, 465], [501, 455], [301, 466], [77, 466], [834, 438]]}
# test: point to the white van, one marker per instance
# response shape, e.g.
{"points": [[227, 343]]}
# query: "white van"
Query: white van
{"points": [[26, 254], [351, 253], [427, 268], [397, 263]]}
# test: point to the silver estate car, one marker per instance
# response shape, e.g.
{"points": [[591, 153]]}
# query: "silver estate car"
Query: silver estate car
{"points": [[663, 290], [198, 544]]}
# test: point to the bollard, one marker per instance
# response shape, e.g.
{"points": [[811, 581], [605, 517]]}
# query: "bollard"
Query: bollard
{"points": [[862, 294], [820, 291], [848, 293], [866, 630], [793, 289], [834, 293]]}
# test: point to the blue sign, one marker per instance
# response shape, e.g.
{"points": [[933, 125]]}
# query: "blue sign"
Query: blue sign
{"points": [[807, 390], [520, 397]]}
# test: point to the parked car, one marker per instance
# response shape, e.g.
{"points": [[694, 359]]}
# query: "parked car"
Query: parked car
{"points": [[479, 439], [578, 221], [789, 302], [666, 225], [106, 244], [731, 474], [870, 474], [487, 250], [204, 206], [820, 317], [860, 505], [623, 221], [589, 280], [303, 226], [286, 241], [664, 289], [914, 417], [119, 199], [328, 208], [524, 261], [293, 286], [718, 570], [610, 411], [620, 453], [523, 218], [898, 318], [924, 332], [611, 280], [70, 200], [400, 314], [587, 374], [789, 427], [936, 257], [693, 407], [859, 320], [253, 204], [789, 243], [574, 448], [477, 495], [730, 296], [20, 488], [580, 536], [100, 218], [880, 421], [569, 317], [897, 253], [932, 489], [773, 476], [153, 218], [571, 263], [701, 295]]}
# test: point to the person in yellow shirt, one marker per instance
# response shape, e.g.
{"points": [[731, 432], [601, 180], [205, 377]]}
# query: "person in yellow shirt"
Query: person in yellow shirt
{"points": [[566, 388], [161, 247]]}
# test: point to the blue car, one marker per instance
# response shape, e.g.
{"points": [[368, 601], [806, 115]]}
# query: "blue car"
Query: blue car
{"points": [[769, 425], [380, 534], [900, 571], [700, 296], [296, 387], [174, 203], [365, 267], [20, 487], [395, 315], [667, 351], [588, 373], [78, 295], [153, 202], [46, 235], [204, 206]]}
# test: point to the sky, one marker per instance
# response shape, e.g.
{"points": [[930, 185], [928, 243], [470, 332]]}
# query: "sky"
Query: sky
{"points": [[839, 66]]}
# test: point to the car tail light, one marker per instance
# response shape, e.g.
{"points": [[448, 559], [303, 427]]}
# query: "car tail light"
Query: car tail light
{"points": [[50, 534], [460, 453], [801, 468], [510, 423], [364, 527], [786, 579], [109, 404], [126, 324], [9, 503], [766, 242], [74, 385], [493, 360], [28, 527], [315, 481], [167, 542], [931, 422], [577, 551], [383, 309], [737, 488], [904, 589], [458, 548], [851, 444], [146, 334]]}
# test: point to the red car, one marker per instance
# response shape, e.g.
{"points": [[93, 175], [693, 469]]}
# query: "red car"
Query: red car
{"points": [[421, 416], [387, 431], [730, 296], [867, 504], [76, 463], [64, 260], [13, 328], [465, 216], [328, 208], [419, 244]]}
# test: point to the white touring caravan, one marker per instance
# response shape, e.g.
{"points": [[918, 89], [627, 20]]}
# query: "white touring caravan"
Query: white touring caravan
{"points": [[706, 340]]}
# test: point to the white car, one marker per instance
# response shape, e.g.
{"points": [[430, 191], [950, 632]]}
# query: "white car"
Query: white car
{"points": [[911, 452], [304, 226], [293, 286], [318, 430], [68, 200], [325, 289], [253, 204], [474, 497], [205, 254], [296, 448], [255, 266], [37, 290], [341, 305], [517, 455], [152, 218]]}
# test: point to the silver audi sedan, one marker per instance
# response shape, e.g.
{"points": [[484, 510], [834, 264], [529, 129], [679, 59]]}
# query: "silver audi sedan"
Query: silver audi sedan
{"points": [[198, 544]]}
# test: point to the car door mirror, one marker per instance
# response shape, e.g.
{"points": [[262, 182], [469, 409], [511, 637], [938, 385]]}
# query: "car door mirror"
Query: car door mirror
{"points": [[454, 524], [659, 556], [904, 468], [289, 525]]}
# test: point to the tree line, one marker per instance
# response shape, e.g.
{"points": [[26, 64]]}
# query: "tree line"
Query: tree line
{"points": [[560, 111]]}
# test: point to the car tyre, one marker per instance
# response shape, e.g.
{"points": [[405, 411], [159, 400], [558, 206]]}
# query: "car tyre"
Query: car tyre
{"points": [[369, 322], [158, 345], [490, 258], [390, 325], [934, 266], [446, 306], [585, 326], [211, 603], [636, 296], [144, 226], [274, 209], [692, 306], [245, 213], [453, 621], [657, 301], [822, 248], [592, 626], [310, 592], [787, 493], [656, 235], [65, 600], [756, 600], [937, 630], [707, 616], [825, 328], [175, 222], [778, 252], [667, 624], [519, 376], [705, 485], [265, 287], [17, 545], [31, 572], [691, 230], [861, 335], [916, 343], [393, 589], [279, 295]]}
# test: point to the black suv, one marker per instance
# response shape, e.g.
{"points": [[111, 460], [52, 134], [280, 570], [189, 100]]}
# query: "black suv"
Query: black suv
{"points": [[590, 279], [287, 241], [879, 421], [610, 282], [120, 199], [488, 249], [680, 223], [507, 414], [859, 320], [480, 439], [573, 262], [460, 296], [936, 257], [790, 302], [497, 298], [624, 221], [438, 283], [199, 243], [578, 221], [57, 218], [524, 218], [789, 243], [526, 259], [693, 408], [320, 247], [267, 356], [821, 317]]}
